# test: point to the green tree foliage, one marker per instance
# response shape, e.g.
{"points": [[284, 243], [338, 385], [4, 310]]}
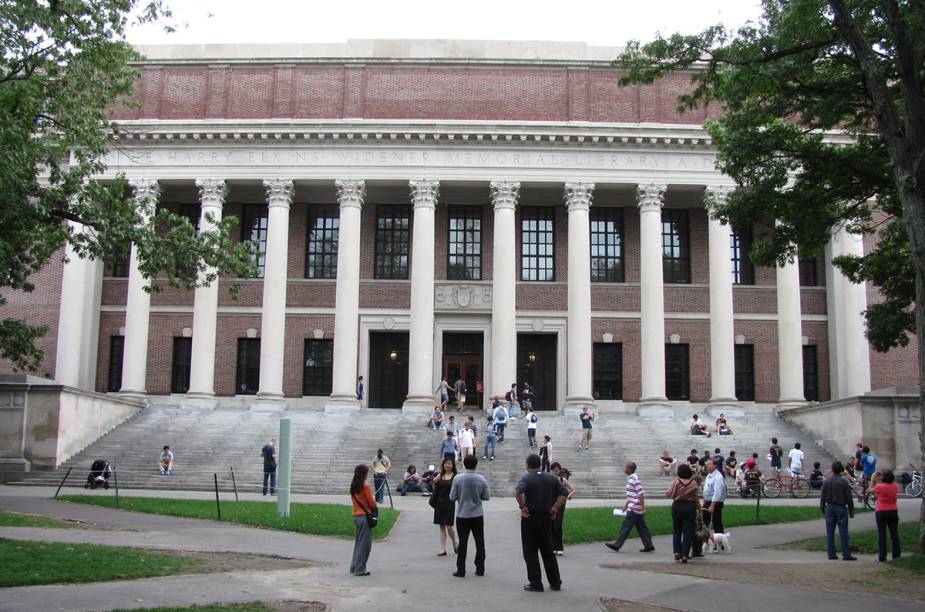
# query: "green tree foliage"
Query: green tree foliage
{"points": [[822, 126], [63, 65]]}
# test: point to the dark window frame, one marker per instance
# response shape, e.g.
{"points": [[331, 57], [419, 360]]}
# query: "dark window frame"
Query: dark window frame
{"points": [[392, 241], [120, 265], [744, 358], [181, 364], [321, 243], [743, 270], [676, 252], [607, 268], [318, 379], [811, 373], [809, 274], [471, 254], [607, 370], [116, 357], [246, 372], [541, 263], [191, 212], [260, 214], [683, 392]]}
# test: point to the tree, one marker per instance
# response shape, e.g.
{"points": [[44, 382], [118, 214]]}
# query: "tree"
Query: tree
{"points": [[822, 126], [64, 64]]}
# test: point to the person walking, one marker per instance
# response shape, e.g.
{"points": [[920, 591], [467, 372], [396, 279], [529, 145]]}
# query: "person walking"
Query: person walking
{"points": [[714, 498], [836, 504], [558, 524], [884, 487], [546, 454], [684, 507], [460, 387], [444, 392], [500, 416], [381, 466], [360, 388], [363, 504], [467, 441], [268, 452], [449, 447], [511, 397], [532, 422], [491, 433], [635, 509], [469, 490], [587, 422], [540, 497], [444, 514]]}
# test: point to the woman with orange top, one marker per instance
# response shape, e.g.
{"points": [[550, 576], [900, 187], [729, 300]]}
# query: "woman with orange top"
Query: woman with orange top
{"points": [[886, 512], [363, 503]]}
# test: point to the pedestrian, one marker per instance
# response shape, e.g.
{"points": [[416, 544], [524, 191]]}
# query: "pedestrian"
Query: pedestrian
{"points": [[443, 389], [448, 448], [587, 422], [796, 460], [714, 498], [546, 453], [540, 497], [467, 441], [884, 487], [491, 433], [500, 416], [363, 504], [836, 504], [360, 388], [868, 465], [684, 507], [511, 397], [460, 387], [268, 452], [444, 514], [165, 461], [469, 490], [475, 435], [527, 396], [381, 466], [532, 422], [558, 524], [635, 509], [776, 453]]}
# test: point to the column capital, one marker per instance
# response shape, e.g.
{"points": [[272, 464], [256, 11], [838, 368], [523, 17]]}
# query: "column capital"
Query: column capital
{"points": [[716, 195], [578, 196], [279, 192], [350, 192], [212, 192], [650, 196], [424, 192], [504, 194], [147, 192]]}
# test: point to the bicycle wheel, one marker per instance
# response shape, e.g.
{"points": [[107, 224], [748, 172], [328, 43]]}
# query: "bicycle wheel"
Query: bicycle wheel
{"points": [[869, 500], [799, 488], [772, 488], [914, 489]]}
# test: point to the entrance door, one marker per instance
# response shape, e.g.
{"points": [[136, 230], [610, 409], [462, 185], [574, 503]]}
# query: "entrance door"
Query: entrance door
{"points": [[388, 369], [469, 368], [536, 364]]}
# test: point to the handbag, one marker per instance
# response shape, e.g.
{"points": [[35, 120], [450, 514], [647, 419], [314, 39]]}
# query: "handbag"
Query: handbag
{"points": [[701, 532], [372, 517]]}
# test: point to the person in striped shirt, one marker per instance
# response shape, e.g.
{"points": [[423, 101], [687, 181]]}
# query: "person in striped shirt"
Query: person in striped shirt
{"points": [[635, 508]]}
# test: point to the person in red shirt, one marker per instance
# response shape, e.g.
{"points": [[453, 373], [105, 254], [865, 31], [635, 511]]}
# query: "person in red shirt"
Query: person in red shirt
{"points": [[363, 504], [886, 491]]}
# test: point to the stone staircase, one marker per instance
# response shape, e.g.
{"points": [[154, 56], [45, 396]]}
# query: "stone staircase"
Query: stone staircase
{"points": [[326, 447]]}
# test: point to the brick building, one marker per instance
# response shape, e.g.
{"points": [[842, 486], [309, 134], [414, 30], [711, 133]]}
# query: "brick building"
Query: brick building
{"points": [[502, 212]]}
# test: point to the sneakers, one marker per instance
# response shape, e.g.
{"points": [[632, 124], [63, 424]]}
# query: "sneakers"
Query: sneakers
{"points": [[558, 553], [612, 546]]}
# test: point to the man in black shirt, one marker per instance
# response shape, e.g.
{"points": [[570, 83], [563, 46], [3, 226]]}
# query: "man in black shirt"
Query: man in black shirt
{"points": [[268, 452], [540, 496], [836, 504]]}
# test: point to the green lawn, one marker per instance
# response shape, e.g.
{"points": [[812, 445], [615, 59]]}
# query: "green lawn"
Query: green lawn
{"points": [[315, 519], [16, 519], [31, 563], [866, 541], [598, 524]]}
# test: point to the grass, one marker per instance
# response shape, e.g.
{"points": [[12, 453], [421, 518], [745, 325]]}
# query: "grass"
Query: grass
{"points": [[314, 519], [16, 519], [597, 524], [31, 563]]}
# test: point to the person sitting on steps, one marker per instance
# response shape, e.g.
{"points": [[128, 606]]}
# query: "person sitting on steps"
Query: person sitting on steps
{"points": [[698, 427], [666, 464]]}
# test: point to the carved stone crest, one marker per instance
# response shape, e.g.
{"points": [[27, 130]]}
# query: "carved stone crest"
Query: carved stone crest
{"points": [[462, 297]]}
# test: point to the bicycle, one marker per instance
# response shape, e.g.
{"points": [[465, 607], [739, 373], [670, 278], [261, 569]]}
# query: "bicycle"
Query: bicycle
{"points": [[865, 497], [914, 488], [795, 485]]}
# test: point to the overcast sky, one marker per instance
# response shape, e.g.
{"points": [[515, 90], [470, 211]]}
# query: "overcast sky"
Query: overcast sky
{"points": [[600, 22]]}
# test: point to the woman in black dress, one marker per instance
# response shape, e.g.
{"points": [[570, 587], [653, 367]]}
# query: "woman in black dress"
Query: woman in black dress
{"points": [[444, 509]]}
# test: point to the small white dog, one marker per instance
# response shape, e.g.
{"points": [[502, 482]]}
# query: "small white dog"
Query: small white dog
{"points": [[719, 542]]}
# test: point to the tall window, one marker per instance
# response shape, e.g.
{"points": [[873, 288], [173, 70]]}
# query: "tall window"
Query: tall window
{"points": [[607, 245], [318, 369], [676, 246], [464, 254], [537, 244], [743, 272], [191, 212], [116, 350], [119, 267], [677, 372], [180, 370], [608, 371], [393, 241], [745, 372], [254, 227], [810, 373], [808, 276], [323, 229], [247, 380]]}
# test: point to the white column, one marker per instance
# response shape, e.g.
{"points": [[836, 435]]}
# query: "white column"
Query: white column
{"points": [[78, 319], [722, 334], [504, 196], [579, 379], [789, 334], [350, 195], [650, 198], [138, 301], [212, 194], [273, 320], [424, 194], [849, 353]]}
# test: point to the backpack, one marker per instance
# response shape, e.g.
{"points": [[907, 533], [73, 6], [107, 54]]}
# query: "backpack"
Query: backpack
{"points": [[462, 387], [533, 418], [507, 396]]}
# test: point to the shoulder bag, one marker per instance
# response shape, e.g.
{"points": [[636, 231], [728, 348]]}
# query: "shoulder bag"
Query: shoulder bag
{"points": [[701, 532], [372, 518]]}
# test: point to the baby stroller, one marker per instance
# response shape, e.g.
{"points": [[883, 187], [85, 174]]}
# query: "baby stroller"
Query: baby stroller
{"points": [[99, 474]]}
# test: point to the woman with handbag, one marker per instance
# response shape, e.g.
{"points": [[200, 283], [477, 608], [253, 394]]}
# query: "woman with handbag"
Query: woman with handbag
{"points": [[365, 516], [444, 509], [685, 507]]}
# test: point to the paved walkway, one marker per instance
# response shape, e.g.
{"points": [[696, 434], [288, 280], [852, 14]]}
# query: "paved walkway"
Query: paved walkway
{"points": [[405, 573]]}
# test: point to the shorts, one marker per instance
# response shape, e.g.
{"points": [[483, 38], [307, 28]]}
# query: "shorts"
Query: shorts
{"points": [[586, 432], [461, 398]]}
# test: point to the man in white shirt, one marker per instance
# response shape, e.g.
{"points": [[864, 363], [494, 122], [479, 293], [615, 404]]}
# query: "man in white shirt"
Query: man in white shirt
{"points": [[467, 441], [714, 497], [796, 460]]}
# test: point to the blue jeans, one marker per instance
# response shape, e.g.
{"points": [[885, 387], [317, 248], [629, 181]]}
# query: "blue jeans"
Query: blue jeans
{"points": [[836, 515], [379, 486], [512, 409], [489, 443], [501, 427], [271, 476]]}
